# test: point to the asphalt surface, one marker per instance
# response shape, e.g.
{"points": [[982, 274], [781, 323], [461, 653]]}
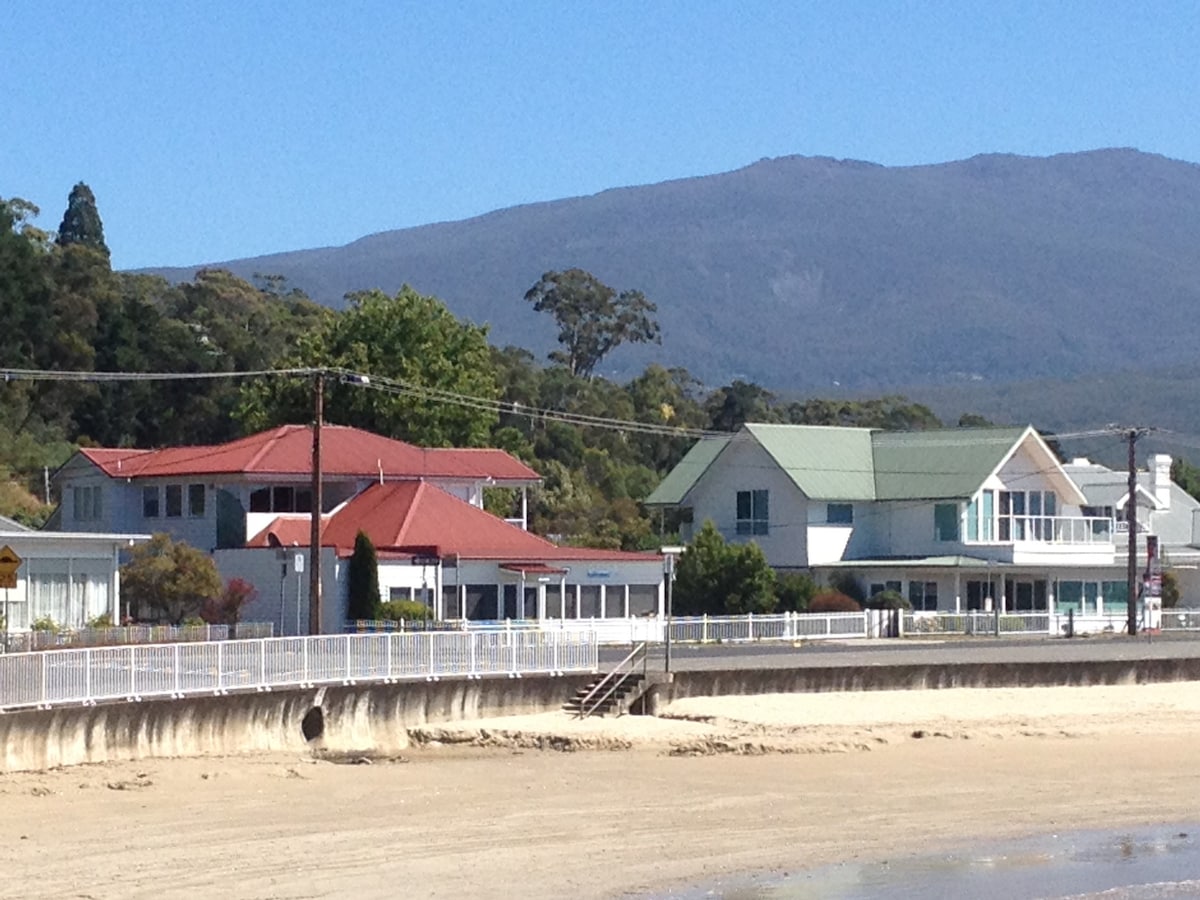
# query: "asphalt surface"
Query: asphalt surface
{"points": [[916, 651]]}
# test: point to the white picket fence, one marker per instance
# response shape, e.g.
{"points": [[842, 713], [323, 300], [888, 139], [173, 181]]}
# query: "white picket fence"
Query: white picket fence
{"points": [[814, 626], [55, 677]]}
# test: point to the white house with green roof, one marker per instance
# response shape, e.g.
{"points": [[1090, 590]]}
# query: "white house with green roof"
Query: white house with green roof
{"points": [[954, 519]]}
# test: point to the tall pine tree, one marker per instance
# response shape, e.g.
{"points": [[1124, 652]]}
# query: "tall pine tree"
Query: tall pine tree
{"points": [[81, 222], [364, 600]]}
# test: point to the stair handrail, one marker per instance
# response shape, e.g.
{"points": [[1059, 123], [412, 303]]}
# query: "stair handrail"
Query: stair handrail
{"points": [[613, 680]]}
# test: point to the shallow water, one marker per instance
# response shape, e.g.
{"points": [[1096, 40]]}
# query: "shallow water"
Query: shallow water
{"points": [[1139, 864]]}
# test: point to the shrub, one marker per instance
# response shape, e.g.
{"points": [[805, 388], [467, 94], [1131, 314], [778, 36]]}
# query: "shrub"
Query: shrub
{"points": [[1171, 593], [714, 577], [794, 592], [846, 583], [227, 609], [833, 601], [889, 600], [46, 624], [404, 610], [104, 620]]}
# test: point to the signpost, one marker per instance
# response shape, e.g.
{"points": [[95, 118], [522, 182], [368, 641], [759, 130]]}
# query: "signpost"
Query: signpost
{"points": [[9, 563]]}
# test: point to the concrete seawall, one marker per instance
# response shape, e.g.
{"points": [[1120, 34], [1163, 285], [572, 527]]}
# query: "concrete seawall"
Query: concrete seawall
{"points": [[364, 717], [718, 683], [376, 717]]}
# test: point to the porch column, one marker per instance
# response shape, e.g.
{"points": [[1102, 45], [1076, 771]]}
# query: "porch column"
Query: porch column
{"points": [[524, 508], [438, 605], [957, 591], [603, 601], [562, 595], [541, 600]]}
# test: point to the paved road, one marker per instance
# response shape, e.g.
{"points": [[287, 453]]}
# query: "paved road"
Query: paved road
{"points": [[916, 651]]}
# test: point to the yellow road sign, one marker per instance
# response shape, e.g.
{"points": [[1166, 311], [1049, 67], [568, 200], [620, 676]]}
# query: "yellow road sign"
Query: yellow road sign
{"points": [[9, 563]]}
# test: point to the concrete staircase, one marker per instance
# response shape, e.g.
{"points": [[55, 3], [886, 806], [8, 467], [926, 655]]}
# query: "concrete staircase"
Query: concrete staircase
{"points": [[597, 700]]}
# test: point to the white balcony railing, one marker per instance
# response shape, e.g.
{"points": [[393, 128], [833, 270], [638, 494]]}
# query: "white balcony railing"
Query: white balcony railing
{"points": [[1055, 529]]}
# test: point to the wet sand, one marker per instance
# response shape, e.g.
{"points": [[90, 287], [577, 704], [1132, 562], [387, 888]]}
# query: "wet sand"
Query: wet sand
{"points": [[545, 806]]}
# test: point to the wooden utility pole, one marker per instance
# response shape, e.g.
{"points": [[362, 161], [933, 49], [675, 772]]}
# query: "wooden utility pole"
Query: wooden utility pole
{"points": [[314, 553]]}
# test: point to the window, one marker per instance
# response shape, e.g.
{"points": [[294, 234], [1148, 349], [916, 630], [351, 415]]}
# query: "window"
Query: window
{"points": [[945, 522], [174, 503], [752, 512], [923, 595], [196, 500], [281, 499], [150, 502], [879, 588], [839, 513], [87, 503]]}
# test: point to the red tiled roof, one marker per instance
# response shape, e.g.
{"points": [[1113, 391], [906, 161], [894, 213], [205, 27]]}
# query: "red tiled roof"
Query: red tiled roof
{"points": [[418, 518], [287, 450]]}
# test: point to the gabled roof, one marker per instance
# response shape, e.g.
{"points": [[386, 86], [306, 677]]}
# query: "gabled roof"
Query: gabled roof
{"points": [[946, 463], [672, 489], [287, 451], [421, 519], [825, 462], [838, 463]]}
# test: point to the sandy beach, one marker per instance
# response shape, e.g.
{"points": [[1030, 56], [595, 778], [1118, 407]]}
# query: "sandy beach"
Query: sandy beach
{"points": [[545, 806]]}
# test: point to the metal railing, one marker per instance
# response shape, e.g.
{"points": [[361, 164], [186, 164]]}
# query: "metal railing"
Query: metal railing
{"points": [[136, 634], [54, 677], [611, 683]]}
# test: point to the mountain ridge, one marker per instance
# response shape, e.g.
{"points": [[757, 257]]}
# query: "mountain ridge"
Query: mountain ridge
{"points": [[800, 271]]}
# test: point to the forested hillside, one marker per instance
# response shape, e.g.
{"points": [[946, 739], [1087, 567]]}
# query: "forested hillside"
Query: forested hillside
{"points": [[799, 273], [600, 445]]}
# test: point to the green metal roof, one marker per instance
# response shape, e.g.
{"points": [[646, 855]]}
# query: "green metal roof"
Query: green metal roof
{"points": [[915, 562], [933, 465], [835, 463], [672, 489], [825, 462]]}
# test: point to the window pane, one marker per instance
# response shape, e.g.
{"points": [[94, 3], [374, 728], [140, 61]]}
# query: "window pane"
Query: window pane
{"points": [[743, 505], [283, 500], [1051, 503], [195, 499], [760, 506], [303, 500], [945, 521], [839, 514], [260, 500], [174, 501], [150, 502], [97, 502], [1035, 503], [973, 520], [989, 503]]}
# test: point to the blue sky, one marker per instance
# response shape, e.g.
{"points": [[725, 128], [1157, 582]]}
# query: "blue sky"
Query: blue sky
{"points": [[215, 130]]}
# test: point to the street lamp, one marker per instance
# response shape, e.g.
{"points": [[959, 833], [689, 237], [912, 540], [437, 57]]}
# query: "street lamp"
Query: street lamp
{"points": [[669, 554]]}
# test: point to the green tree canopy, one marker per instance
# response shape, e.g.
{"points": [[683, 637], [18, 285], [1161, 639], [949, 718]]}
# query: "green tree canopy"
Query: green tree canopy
{"points": [[169, 581], [593, 319], [714, 577], [409, 338], [81, 222], [364, 598]]}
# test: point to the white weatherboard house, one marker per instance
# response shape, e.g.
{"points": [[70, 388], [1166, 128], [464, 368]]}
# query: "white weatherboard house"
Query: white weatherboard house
{"points": [[68, 578], [954, 519], [249, 501], [219, 496]]}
